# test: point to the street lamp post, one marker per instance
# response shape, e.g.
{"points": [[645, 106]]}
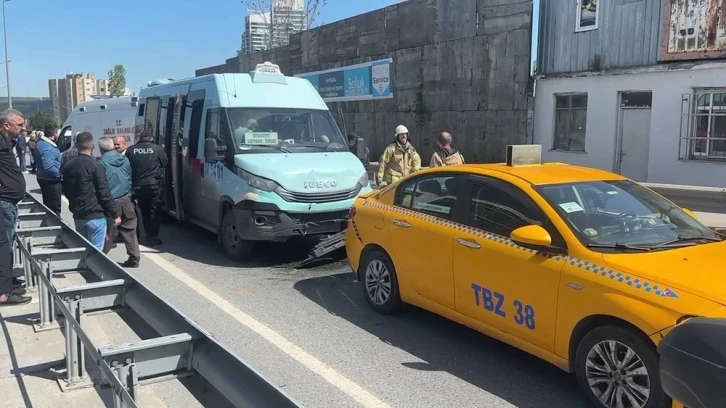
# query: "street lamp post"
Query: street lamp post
{"points": [[7, 66]]}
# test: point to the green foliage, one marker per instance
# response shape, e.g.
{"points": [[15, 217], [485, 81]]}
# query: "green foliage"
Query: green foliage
{"points": [[419, 108], [39, 120], [117, 80]]}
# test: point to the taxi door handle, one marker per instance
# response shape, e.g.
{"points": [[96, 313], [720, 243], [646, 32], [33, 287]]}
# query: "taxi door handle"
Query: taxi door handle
{"points": [[468, 243], [401, 223]]}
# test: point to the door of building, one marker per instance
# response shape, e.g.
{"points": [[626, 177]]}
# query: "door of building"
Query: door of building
{"points": [[633, 143]]}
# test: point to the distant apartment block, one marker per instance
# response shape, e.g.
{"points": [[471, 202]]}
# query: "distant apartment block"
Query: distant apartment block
{"points": [[271, 30], [256, 36], [66, 93]]}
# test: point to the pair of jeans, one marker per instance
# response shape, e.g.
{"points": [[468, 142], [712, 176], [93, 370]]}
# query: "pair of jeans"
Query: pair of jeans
{"points": [[8, 221], [93, 230], [52, 191]]}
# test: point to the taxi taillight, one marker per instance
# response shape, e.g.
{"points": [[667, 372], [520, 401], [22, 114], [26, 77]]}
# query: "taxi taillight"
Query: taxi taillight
{"points": [[351, 212]]}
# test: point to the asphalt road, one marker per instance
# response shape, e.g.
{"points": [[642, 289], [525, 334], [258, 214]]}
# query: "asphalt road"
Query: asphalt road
{"points": [[311, 332]]}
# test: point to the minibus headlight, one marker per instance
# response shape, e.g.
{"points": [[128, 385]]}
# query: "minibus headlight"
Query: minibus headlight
{"points": [[257, 182], [364, 181]]}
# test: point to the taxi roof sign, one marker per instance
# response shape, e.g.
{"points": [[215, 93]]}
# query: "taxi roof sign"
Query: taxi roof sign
{"points": [[524, 155], [267, 68]]}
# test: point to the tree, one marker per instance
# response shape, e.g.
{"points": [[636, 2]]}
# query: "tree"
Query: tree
{"points": [[39, 120], [283, 17], [117, 80]]}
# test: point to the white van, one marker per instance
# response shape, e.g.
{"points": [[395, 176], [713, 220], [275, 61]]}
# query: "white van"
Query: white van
{"points": [[107, 116]]}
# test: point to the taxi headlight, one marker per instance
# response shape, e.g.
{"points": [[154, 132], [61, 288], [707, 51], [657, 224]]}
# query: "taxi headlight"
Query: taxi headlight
{"points": [[257, 182], [364, 181]]}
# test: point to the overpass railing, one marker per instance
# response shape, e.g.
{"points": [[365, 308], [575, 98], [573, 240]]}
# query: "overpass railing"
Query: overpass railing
{"points": [[45, 246]]}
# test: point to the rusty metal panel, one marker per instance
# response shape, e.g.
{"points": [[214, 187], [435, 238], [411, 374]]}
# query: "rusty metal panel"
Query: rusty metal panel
{"points": [[693, 29]]}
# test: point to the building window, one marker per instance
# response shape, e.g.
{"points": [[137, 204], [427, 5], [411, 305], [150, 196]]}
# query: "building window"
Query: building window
{"points": [[703, 125], [587, 15], [570, 122]]}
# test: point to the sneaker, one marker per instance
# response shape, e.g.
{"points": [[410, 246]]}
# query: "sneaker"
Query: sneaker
{"points": [[130, 263], [12, 299], [18, 282], [19, 290]]}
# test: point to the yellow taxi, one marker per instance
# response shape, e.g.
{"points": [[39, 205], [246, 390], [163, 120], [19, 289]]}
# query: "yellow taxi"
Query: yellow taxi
{"points": [[580, 267]]}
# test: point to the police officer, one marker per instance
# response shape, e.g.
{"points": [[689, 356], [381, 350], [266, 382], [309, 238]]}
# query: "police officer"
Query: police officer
{"points": [[148, 162]]}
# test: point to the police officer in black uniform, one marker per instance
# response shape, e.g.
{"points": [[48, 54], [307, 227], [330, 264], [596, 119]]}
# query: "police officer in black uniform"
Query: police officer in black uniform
{"points": [[148, 163]]}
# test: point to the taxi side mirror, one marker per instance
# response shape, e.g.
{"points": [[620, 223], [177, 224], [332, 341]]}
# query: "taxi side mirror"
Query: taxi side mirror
{"points": [[532, 237], [689, 212]]}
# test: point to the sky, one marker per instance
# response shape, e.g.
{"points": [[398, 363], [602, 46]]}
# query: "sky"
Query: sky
{"points": [[153, 39]]}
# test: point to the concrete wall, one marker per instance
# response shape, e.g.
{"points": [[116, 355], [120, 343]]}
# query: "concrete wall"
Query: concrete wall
{"points": [[460, 66], [668, 87]]}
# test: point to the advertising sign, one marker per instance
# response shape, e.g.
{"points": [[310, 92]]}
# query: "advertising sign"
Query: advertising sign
{"points": [[370, 80]]}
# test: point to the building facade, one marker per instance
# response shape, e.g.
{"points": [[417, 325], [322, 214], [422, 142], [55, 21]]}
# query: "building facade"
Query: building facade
{"points": [[66, 93], [266, 30], [256, 36], [634, 86]]}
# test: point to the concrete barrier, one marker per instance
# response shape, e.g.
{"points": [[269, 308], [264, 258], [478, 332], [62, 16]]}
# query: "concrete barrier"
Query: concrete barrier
{"points": [[696, 198]]}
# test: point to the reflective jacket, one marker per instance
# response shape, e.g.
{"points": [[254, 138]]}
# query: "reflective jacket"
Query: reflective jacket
{"points": [[396, 162], [448, 156]]}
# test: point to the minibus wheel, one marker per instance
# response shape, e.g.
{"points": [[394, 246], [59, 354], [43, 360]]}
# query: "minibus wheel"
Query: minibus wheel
{"points": [[234, 246]]}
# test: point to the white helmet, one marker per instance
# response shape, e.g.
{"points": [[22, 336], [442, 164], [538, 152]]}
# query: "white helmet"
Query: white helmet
{"points": [[401, 129]]}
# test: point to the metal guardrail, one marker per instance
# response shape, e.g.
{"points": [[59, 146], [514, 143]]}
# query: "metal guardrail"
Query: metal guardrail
{"points": [[46, 246]]}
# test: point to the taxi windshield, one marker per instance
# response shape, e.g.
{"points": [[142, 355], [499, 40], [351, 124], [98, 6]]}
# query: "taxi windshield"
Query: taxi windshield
{"points": [[623, 214], [284, 130]]}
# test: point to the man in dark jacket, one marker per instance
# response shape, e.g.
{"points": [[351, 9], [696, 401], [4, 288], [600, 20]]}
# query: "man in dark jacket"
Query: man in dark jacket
{"points": [[118, 172], [12, 189], [20, 147], [148, 163], [69, 154], [49, 175], [86, 187]]}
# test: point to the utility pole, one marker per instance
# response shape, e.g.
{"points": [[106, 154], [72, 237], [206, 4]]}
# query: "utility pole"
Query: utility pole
{"points": [[7, 66]]}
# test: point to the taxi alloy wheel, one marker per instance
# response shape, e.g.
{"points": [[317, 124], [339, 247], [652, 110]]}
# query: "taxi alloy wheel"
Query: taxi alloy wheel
{"points": [[379, 282], [616, 368], [234, 246]]}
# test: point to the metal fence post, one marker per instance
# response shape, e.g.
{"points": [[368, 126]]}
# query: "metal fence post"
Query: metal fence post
{"points": [[47, 306], [129, 378], [75, 351], [27, 243]]}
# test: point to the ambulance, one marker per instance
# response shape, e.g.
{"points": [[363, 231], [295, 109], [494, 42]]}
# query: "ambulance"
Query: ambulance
{"points": [[104, 116], [252, 157]]}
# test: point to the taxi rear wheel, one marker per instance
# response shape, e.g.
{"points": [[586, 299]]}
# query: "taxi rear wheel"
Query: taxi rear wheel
{"points": [[615, 367], [379, 282]]}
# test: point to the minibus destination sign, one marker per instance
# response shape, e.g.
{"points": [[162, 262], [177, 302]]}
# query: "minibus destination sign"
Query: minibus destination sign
{"points": [[370, 80]]}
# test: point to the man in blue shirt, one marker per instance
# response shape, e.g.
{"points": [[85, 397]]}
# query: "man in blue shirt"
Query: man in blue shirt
{"points": [[118, 173], [49, 175]]}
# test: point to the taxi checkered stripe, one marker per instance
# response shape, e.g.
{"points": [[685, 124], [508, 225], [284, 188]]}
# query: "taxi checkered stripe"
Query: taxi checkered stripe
{"points": [[617, 276]]}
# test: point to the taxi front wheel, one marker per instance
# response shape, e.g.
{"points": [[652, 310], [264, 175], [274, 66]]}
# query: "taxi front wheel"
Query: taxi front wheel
{"points": [[379, 282], [616, 368]]}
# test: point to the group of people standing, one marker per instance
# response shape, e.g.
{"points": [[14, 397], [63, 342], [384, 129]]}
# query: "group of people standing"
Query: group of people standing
{"points": [[400, 158], [102, 194]]}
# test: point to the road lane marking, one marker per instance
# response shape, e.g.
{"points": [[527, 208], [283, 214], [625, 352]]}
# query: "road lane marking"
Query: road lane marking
{"points": [[332, 376], [329, 374]]}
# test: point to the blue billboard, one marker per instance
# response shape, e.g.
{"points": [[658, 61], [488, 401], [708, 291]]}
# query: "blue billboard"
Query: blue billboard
{"points": [[370, 80]]}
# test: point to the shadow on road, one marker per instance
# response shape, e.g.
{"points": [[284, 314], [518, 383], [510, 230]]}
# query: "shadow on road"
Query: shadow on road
{"points": [[197, 244], [495, 367]]}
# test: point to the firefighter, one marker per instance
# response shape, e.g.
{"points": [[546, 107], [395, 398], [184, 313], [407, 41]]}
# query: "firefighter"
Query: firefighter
{"points": [[398, 160]]}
